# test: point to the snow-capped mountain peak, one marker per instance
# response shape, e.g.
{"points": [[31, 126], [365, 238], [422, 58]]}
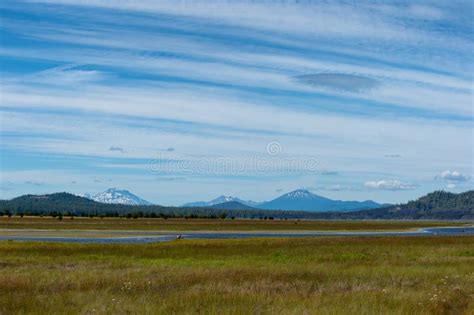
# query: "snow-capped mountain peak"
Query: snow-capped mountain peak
{"points": [[300, 194], [222, 199], [302, 199], [119, 196]]}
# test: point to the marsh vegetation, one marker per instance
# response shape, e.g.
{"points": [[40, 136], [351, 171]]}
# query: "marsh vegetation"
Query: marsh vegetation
{"points": [[381, 275]]}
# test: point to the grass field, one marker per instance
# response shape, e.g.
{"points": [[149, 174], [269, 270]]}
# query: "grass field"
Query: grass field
{"points": [[208, 224], [336, 275], [377, 275]]}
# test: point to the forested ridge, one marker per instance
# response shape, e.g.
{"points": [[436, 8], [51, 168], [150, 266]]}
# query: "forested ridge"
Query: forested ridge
{"points": [[436, 205]]}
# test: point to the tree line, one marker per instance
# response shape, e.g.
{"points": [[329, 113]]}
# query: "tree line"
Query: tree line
{"points": [[437, 205]]}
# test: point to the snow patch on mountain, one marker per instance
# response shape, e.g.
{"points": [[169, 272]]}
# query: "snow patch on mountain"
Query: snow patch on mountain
{"points": [[299, 194], [118, 196]]}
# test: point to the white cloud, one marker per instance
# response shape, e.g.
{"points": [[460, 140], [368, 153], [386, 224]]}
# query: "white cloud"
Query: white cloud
{"points": [[389, 185], [286, 17], [450, 186], [68, 74], [453, 176], [219, 63], [59, 76], [256, 50]]}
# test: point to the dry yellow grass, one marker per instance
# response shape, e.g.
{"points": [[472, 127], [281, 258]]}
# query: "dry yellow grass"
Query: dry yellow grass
{"points": [[357, 275], [207, 224]]}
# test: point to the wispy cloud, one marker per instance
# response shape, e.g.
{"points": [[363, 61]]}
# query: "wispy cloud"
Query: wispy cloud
{"points": [[453, 176], [117, 149], [332, 187], [389, 185], [220, 79], [67, 74], [34, 182], [425, 12]]}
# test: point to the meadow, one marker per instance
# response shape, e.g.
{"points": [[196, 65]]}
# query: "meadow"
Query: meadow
{"points": [[337, 275], [148, 224]]}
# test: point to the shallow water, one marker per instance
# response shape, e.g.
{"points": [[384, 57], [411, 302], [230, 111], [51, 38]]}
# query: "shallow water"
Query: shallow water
{"points": [[440, 231]]}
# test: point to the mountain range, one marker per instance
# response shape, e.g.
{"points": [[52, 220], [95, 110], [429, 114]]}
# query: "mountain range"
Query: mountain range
{"points": [[439, 205], [300, 199], [220, 200], [231, 205]]}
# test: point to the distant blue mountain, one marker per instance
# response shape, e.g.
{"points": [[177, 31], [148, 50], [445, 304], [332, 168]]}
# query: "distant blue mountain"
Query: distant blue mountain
{"points": [[296, 200], [219, 200], [304, 200], [232, 205]]}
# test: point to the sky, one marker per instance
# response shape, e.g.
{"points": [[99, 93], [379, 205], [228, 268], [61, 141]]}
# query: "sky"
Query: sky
{"points": [[179, 101]]}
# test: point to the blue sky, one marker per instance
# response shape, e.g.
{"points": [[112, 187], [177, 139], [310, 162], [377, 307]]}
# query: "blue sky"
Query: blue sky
{"points": [[185, 100]]}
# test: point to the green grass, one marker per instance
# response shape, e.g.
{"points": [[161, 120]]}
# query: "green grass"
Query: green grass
{"points": [[209, 225], [338, 275]]}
